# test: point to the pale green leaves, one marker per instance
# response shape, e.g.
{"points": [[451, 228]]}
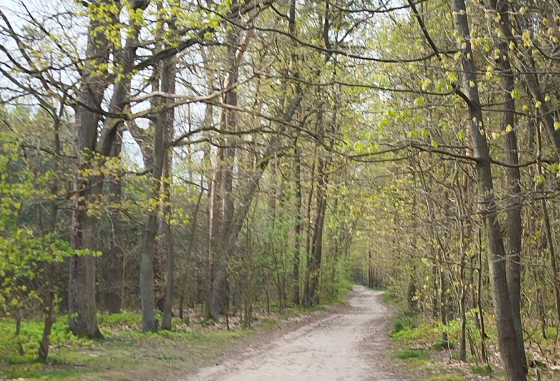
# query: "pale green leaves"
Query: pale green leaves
{"points": [[420, 101]]}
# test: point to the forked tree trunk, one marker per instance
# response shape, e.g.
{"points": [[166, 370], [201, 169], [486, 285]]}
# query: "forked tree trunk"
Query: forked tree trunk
{"points": [[507, 336], [111, 143], [515, 201], [81, 284], [237, 45]]}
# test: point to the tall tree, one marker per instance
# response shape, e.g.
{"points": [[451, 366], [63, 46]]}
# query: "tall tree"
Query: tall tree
{"points": [[81, 299], [507, 335]]}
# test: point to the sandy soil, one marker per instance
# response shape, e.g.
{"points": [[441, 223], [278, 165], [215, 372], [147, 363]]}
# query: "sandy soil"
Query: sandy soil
{"points": [[349, 343]]}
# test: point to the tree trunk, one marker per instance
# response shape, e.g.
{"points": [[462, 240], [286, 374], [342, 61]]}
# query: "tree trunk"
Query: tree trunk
{"points": [[237, 44], [317, 245], [507, 336], [308, 253], [150, 230], [514, 204], [81, 285], [297, 153], [297, 226], [50, 267], [213, 231], [168, 86], [111, 144], [548, 238], [253, 183]]}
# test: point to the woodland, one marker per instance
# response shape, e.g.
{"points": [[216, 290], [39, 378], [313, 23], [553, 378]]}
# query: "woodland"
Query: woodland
{"points": [[167, 156]]}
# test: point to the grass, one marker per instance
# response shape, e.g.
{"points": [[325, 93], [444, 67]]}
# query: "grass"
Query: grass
{"points": [[482, 370], [413, 353], [378, 288], [125, 347]]}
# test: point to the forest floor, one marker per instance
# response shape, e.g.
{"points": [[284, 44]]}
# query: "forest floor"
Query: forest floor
{"points": [[347, 342], [366, 336]]}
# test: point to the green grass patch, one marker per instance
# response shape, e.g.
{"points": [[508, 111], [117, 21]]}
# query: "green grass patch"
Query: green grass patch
{"points": [[124, 347], [413, 353], [270, 322], [483, 370], [388, 297]]}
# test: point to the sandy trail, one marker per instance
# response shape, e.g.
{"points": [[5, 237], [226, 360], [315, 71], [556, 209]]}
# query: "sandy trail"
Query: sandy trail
{"points": [[345, 345]]}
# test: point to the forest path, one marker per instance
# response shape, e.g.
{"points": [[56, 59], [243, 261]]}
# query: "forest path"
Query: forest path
{"points": [[348, 344]]}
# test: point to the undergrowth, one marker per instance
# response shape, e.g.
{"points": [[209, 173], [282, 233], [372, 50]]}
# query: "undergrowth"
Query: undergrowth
{"points": [[427, 346]]}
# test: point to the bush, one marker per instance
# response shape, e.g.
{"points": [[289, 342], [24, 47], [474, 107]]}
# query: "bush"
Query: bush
{"points": [[399, 326]]}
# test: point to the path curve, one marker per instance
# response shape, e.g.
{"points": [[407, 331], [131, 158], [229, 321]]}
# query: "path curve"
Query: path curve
{"points": [[348, 344]]}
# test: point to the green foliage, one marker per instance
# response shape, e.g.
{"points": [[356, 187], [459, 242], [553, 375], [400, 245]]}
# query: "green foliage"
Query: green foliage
{"points": [[440, 345], [25, 247], [388, 297], [405, 322], [413, 353]]}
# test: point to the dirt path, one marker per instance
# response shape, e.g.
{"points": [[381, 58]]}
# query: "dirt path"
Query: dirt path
{"points": [[348, 344]]}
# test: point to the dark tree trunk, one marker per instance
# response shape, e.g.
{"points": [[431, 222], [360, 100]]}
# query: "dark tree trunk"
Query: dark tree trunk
{"points": [[314, 265], [81, 285], [515, 201], [507, 336], [237, 44], [114, 263], [214, 231], [168, 86], [111, 144], [297, 227], [150, 230]]}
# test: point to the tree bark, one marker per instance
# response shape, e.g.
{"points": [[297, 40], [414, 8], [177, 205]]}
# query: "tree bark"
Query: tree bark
{"points": [[81, 285], [237, 44], [314, 265], [507, 336], [150, 230], [297, 226], [50, 267], [548, 230], [515, 199], [111, 145], [168, 86]]}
